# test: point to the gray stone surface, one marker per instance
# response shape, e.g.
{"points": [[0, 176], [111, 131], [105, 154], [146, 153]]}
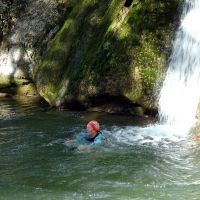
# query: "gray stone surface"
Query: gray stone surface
{"points": [[36, 24]]}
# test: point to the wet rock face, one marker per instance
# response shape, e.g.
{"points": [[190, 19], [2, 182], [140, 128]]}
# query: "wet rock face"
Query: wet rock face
{"points": [[26, 27], [108, 47], [36, 23], [29, 21], [9, 11]]}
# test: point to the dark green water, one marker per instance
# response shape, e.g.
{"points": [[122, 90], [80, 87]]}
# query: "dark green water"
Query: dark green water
{"points": [[134, 162]]}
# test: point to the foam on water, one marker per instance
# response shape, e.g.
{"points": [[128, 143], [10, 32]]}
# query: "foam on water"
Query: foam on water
{"points": [[153, 134]]}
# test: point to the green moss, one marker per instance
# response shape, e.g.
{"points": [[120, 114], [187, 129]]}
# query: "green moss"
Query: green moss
{"points": [[104, 48], [59, 59], [150, 23], [54, 64], [5, 81], [88, 63], [150, 62], [27, 90]]}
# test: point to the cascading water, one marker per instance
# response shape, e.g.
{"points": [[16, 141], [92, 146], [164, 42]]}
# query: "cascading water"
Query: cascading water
{"points": [[180, 94]]}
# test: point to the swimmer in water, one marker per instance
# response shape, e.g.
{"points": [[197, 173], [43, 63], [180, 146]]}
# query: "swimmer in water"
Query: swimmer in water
{"points": [[91, 138]]}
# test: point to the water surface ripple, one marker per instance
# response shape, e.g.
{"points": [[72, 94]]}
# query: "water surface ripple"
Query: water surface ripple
{"points": [[134, 163]]}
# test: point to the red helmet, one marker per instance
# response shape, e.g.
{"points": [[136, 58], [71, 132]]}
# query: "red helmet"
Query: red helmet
{"points": [[94, 125]]}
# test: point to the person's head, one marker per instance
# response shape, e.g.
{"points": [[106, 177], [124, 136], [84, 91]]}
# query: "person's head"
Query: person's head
{"points": [[93, 127]]}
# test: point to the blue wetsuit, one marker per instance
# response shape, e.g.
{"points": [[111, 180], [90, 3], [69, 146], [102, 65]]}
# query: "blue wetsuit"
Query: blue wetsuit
{"points": [[84, 137]]}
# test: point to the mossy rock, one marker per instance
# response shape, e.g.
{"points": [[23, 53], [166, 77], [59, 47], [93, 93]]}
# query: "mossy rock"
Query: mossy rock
{"points": [[104, 48], [7, 81], [27, 90]]}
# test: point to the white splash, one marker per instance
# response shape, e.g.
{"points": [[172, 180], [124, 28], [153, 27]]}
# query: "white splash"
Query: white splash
{"points": [[153, 134]]}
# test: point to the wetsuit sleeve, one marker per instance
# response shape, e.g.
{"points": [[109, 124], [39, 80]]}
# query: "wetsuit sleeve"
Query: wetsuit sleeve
{"points": [[81, 137], [98, 140]]}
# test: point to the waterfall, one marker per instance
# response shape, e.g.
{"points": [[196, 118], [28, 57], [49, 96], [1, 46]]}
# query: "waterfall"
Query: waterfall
{"points": [[180, 94]]}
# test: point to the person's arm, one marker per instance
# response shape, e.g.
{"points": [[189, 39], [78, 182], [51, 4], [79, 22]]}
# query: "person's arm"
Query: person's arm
{"points": [[71, 141], [81, 137], [96, 142], [84, 147], [78, 139]]}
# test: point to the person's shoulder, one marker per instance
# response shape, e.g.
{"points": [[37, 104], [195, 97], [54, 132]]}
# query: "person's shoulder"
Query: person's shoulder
{"points": [[101, 135], [99, 138]]}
